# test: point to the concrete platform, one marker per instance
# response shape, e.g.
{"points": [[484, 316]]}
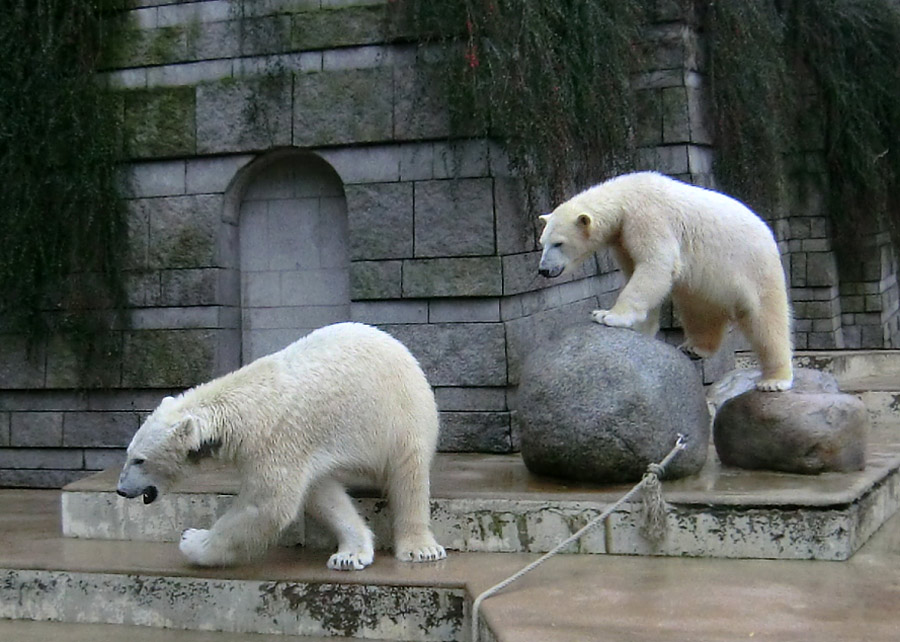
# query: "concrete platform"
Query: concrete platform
{"points": [[490, 503], [570, 598]]}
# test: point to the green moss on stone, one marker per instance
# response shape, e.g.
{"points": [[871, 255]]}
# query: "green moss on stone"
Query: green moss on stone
{"points": [[337, 28], [169, 358], [354, 106], [165, 45], [159, 122]]}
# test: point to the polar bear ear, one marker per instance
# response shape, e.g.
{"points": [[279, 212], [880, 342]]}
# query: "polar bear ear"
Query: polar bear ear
{"points": [[543, 218], [188, 431], [584, 224]]}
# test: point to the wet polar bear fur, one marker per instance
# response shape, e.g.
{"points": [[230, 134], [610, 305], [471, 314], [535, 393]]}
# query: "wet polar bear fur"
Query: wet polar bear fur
{"points": [[717, 259], [346, 402]]}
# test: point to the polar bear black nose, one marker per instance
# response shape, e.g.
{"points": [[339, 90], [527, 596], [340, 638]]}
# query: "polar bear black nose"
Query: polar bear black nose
{"points": [[544, 272], [121, 493]]}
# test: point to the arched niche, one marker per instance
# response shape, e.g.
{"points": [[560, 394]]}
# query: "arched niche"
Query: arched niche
{"points": [[291, 217]]}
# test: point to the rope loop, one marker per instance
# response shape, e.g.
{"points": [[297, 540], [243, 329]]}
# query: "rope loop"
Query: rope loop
{"points": [[654, 469]]}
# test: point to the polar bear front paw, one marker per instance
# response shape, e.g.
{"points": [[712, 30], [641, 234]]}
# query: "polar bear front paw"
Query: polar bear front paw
{"points": [[350, 560], [195, 546], [615, 320], [424, 551]]}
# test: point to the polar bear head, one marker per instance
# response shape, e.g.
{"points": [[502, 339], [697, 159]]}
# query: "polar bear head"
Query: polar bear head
{"points": [[566, 239], [163, 446]]}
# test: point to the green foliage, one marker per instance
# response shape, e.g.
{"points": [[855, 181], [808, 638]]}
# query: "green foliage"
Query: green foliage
{"points": [[60, 211], [549, 80], [752, 95], [852, 49], [783, 72]]}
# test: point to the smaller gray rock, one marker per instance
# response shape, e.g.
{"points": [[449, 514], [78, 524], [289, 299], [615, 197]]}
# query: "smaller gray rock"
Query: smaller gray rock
{"points": [[739, 381], [794, 432]]}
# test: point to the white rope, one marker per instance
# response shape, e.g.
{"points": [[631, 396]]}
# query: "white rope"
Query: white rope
{"points": [[651, 477]]}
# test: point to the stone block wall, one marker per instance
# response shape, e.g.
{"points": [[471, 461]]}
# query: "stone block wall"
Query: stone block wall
{"points": [[289, 168]]}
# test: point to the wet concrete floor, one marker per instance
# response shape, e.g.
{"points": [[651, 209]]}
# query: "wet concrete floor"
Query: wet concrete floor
{"points": [[570, 598]]}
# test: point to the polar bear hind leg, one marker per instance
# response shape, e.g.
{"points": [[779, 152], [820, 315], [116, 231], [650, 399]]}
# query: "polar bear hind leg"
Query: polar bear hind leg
{"points": [[330, 504], [408, 494], [704, 325], [768, 329], [408, 490]]}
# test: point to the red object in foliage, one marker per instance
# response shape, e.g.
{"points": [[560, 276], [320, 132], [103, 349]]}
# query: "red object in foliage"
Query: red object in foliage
{"points": [[472, 56]]}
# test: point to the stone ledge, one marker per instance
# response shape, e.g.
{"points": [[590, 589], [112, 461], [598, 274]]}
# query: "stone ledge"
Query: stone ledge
{"points": [[489, 503]]}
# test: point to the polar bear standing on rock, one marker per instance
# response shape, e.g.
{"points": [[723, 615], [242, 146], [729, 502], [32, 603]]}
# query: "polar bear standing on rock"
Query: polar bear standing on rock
{"points": [[346, 401], [718, 260]]}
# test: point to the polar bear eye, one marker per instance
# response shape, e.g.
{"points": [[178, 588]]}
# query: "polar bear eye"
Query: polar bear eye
{"points": [[137, 462], [557, 245]]}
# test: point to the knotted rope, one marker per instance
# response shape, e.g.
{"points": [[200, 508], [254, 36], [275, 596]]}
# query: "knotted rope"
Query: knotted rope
{"points": [[653, 527]]}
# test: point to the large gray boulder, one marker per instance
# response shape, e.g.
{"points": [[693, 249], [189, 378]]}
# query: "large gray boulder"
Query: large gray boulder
{"points": [[809, 429], [599, 404]]}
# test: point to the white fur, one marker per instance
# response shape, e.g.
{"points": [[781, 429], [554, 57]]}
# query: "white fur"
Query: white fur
{"points": [[717, 259], [346, 401]]}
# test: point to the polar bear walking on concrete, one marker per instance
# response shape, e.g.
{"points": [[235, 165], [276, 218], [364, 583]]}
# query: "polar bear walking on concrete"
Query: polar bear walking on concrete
{"points": [[346, 401], [717, 259]]}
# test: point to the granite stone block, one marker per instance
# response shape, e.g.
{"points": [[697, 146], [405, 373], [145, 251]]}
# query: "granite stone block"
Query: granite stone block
{"points": [[420, 106], [454, 218], [481, 432], [37, 478], [184, 232], [36, 430], [189, 287], [456, 354], [470, 399], [160, 122], [676, 119], [266, 35], [41, 458], [649, 117], [380, 217], [456, 277], [384, 312], [244, 115], [169, 358], [21, 365], [339, 107], [72, 364], [99, 429], [375, 280], [337, 28], [464, 310], [159, 178], [103, 458], [516, 227]]}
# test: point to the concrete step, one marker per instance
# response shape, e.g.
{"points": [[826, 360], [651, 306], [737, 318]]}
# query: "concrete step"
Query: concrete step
{"points": [[845, 365], [490, 503], [87, 583], [34, 631], [45, 577], [871, 375]]}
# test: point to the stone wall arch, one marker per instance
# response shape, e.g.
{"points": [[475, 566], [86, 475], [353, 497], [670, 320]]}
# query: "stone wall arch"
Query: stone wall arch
{"points": [[290, 215]]}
